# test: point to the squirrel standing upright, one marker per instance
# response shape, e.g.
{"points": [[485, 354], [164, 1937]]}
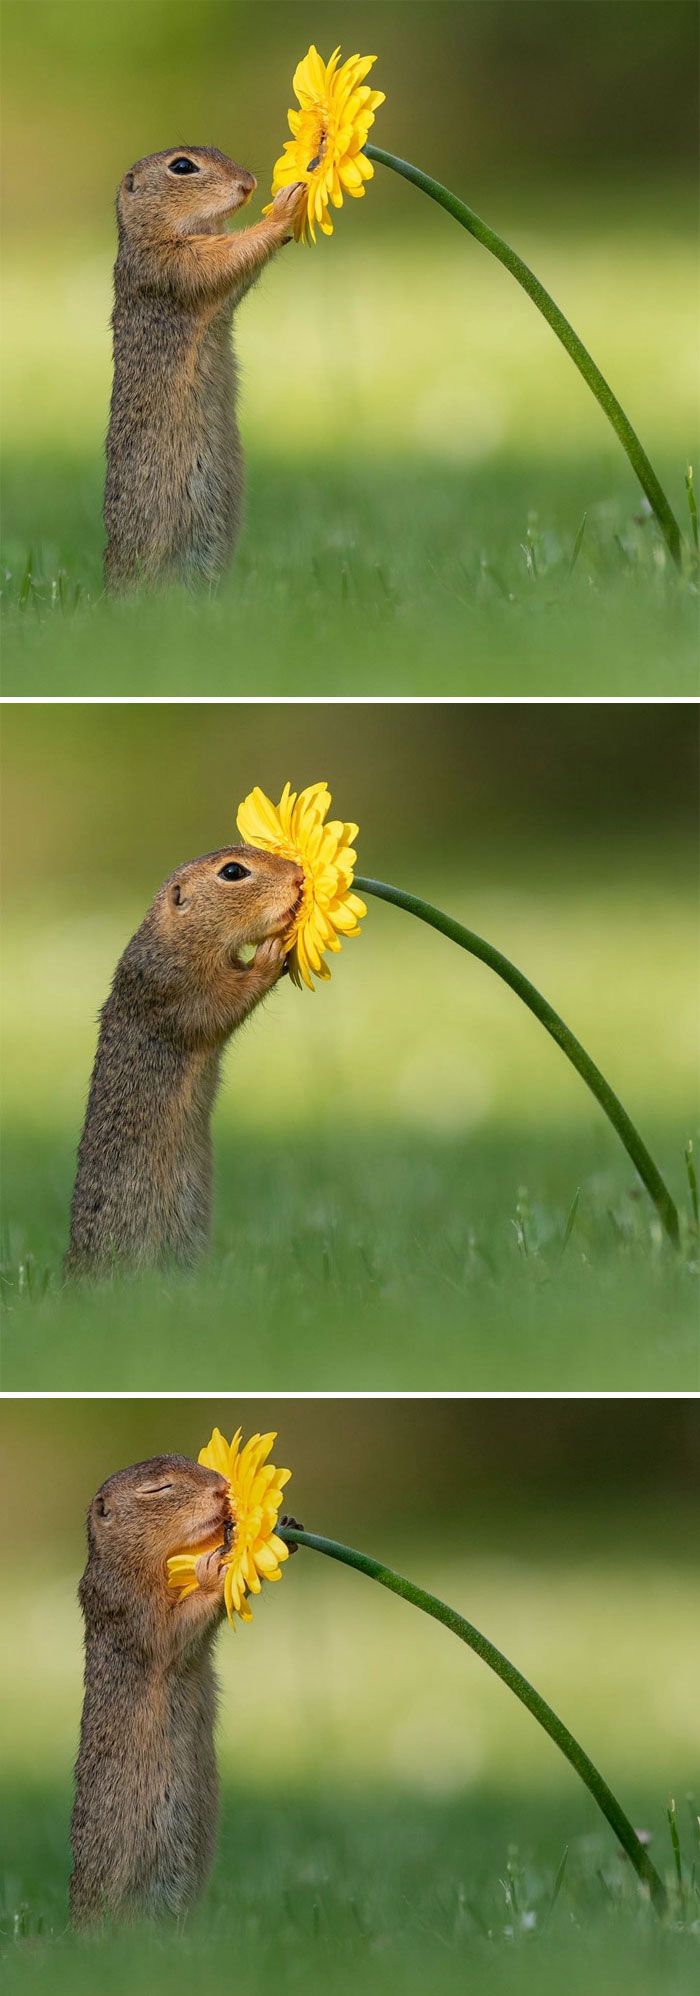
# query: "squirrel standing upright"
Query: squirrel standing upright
{"points": [[144, 1180], [174, 462], [144, 1818]]}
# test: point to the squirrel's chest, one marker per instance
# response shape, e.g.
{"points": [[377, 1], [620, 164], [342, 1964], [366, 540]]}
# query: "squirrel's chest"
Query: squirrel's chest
{"points": [[203, 442], [191, 1099], [174, 367], [177, 1764], [181, 1173], [174, 462], [205, 383]]}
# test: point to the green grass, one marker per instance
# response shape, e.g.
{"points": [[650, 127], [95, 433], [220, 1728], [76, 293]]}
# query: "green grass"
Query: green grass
{"points": [[390, 1815], [371, 1263], [325, 1895], [398, 579], [432, 515]]}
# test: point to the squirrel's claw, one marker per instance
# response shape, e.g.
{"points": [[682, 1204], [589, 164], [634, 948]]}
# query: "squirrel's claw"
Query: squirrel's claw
{"points": [[271, 957], [294, 1526], [210, 1569], [289, 197], [287, 203]]}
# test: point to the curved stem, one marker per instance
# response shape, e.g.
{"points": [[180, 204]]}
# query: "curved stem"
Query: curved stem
{"points": [[564, 332], [550, 1019], [518, 1684]]}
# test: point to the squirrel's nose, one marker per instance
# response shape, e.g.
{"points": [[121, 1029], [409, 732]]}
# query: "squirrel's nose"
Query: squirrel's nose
{"points": [[246, 181], [298, 876]]}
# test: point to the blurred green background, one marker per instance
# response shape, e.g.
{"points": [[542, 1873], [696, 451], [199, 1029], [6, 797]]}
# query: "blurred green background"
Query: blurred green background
{"points": [[388, 1810], [396, 1155], [421, 451]]}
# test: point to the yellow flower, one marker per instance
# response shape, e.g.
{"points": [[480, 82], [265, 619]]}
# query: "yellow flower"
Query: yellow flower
{"points": [[255, 1492], [295, 829], [329, 132]]}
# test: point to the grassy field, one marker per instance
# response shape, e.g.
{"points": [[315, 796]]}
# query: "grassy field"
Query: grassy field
{"points": [[371, 1265], [318, 1896], [389, 1813], [435, 511], [392, 1201]]}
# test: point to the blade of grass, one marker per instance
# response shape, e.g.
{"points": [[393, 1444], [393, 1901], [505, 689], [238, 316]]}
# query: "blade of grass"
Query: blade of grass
{"points": [[578, 544], [676, 1847], [692, 1180], [692, 506], [556, 1888], [569, 1228]]}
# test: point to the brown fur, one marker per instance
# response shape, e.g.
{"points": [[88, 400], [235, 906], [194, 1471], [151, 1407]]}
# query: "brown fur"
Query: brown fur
{"points": [[144, 1180], [174, 463], [144, 1818]]}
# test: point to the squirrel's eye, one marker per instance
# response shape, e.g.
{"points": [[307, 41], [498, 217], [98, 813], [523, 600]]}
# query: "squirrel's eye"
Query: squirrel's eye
{"points": [[155, 1489], [232, 871], [182, 165]]}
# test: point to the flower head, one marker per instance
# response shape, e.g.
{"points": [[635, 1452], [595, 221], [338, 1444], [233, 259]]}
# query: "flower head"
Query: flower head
{"points": [[329, 132], [255, 1495], [296, 829]]}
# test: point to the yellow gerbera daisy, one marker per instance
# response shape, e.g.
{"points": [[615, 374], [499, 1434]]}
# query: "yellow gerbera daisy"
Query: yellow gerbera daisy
{"points": [[329, 132], [295, 828], [255, 1492]]}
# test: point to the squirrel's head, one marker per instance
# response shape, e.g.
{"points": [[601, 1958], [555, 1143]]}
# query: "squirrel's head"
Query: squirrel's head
{"points": [[215, 906], [143, 1514], [184, 191]]}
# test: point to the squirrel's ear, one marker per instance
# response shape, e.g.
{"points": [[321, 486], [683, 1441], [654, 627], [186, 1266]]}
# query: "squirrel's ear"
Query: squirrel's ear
{"points": [[129, 182], [178, 897]]}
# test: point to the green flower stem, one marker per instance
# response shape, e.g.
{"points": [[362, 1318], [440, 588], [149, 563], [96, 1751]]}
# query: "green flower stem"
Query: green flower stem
{"points": [[518, 1684], [550, 1019], [564, 332]]}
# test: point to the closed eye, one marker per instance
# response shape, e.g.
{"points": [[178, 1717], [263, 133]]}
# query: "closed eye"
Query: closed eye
{"points": [[154, 1489], [232, 871], [182, 165]]}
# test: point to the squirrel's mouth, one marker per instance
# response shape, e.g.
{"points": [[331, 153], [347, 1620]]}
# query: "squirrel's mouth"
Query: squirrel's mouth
{"points": [[295, 905], [234, 207], [217, 1531], [282, 922], [291, 910]]}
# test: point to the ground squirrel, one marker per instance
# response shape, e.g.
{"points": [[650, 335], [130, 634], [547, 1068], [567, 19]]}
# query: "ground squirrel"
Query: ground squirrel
{"points": [[143, 1186], [144, 1818], [174, 464]]}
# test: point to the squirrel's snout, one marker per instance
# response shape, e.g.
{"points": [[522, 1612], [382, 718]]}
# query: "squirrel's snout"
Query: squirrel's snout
{"points": [[297, 889], [247, 183]]}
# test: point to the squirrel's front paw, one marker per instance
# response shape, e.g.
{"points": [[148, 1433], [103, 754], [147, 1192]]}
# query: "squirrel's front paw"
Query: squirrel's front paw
{"points": [[286, 205], [210, 1570], [271, 958]]}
